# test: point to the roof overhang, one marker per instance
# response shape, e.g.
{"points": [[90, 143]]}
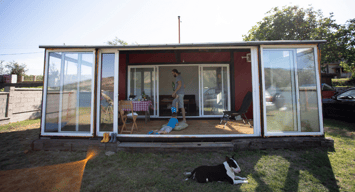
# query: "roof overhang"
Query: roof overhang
{"points": [[186, 46]]}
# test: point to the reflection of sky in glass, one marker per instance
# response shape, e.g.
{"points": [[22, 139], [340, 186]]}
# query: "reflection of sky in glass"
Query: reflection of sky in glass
{"points": [[305, 59], [277, 59], [70, 67], [108, 61]]}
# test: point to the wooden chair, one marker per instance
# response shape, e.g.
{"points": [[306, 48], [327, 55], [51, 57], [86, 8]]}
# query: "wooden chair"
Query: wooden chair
{"points": [[127, 105], [107, 112]]}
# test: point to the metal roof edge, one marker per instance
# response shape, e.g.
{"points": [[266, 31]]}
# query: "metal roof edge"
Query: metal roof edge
{"points": [[173, 46]]}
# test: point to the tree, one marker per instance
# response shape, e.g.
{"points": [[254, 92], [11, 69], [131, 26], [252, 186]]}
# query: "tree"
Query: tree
{"points": [[1, 67], [295, 23], [346, 35], [15, 68], [117, 41]]}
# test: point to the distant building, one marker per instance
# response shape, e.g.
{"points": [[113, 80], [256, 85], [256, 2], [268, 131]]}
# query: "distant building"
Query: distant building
{"points": [[336, 69]]}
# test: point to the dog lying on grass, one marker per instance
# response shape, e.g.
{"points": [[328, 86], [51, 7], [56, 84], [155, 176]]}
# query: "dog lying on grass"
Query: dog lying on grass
{"points": [[221, 172]]}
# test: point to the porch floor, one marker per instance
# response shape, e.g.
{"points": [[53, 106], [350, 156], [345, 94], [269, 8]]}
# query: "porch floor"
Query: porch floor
{"points": [[196, 127]]}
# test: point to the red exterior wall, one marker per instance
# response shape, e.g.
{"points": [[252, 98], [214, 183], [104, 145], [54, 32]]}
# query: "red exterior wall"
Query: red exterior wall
{"points": [[122, 77], [205, 57], [242, 80], [152, 58]]}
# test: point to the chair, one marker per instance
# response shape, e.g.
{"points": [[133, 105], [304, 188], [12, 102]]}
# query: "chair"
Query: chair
{"points": [[242, 110], [107, 111], [121, 107]]}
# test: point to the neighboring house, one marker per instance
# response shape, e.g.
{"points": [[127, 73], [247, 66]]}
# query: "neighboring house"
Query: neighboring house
{"points": [[335, 68], [82, 82]]}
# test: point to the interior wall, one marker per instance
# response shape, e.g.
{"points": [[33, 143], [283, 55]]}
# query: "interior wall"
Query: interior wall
{"points": [[189, 75]]}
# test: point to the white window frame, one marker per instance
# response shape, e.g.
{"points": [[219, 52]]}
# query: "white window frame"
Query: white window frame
{"points": [[69, 133], [201, 90], [154, 67], [293, 47], [115, 97]]}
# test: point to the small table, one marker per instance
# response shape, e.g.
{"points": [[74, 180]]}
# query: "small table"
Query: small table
{"points": [[142, 106]]}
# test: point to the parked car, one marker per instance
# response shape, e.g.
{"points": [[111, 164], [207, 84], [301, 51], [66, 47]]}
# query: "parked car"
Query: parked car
{"points": [[341, 104], [327, 91], [274, 98]]}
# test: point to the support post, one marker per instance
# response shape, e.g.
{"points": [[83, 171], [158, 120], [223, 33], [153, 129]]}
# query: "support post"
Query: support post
{"points": [[179, 27], [11, 100]]}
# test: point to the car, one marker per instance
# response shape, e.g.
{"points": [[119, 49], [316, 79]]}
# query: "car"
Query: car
{"points": [[340, 105], [327, 91], [274, 98]]}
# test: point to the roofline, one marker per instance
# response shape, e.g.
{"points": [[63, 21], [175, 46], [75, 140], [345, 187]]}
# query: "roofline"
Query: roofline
{"points": [[191, 45]]}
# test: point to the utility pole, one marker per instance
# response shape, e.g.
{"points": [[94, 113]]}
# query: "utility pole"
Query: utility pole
{"points": [[179, 28]]}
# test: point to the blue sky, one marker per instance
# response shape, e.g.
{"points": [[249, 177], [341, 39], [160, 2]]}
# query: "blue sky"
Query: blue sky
{"points": [[27, 24]]}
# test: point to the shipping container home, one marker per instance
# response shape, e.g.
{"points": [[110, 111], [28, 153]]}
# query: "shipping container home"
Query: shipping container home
{"points": [[84, 84]]}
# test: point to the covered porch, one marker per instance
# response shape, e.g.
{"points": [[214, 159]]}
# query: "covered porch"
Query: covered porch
{"points": [[196, 127]]}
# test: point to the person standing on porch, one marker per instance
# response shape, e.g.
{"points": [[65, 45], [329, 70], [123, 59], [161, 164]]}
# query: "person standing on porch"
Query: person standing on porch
{"points": [[180, 91]]}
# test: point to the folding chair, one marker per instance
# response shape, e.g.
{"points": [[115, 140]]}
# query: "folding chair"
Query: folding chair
{"points": [[242, 110], [121, 107]]}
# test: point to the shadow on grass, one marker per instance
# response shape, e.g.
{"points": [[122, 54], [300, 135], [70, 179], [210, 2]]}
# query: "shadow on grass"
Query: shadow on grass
{"points": [[267, 170], [22, 169]]}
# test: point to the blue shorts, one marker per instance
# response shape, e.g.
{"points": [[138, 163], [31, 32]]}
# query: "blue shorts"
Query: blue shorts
{"points": [[179, 100]]}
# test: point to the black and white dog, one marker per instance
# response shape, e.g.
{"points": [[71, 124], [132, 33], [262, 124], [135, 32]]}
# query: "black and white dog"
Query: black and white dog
{"points": [[221, 172]]}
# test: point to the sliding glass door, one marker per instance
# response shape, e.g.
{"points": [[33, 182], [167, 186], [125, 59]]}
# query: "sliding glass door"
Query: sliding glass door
{"points": [[142, 86], [207, 89], [290, 91], [68, 101], [107, 92], [215, 90]]}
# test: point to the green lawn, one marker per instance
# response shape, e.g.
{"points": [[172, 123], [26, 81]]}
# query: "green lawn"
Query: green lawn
{"points": [[15, 125], [342, 82], [313, 169]]}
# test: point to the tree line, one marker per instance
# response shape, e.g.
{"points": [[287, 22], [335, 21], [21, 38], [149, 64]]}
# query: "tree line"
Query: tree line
{"points": [[296, 23], [12, 67]]}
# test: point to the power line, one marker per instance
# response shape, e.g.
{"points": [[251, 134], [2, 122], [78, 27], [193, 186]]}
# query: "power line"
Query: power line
{"points": [[21, 53]]}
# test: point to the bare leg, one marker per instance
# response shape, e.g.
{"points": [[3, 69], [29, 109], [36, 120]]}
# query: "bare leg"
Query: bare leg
{"points": [[183, 114]]}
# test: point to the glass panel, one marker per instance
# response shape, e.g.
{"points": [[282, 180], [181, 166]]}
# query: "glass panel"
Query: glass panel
{"points": [[69, 86], [70, 92], [53, 92], [85, 91], [307, 84], [215, 90], [190, 77], [142, 86], [107, 91], [280, 92]]}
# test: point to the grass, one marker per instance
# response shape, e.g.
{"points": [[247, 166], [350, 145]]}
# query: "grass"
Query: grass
{"points": [[312, 169], [13, 126], [342, 82]]}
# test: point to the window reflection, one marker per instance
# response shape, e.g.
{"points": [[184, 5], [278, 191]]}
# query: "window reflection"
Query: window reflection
{"points": [[68, 106]]}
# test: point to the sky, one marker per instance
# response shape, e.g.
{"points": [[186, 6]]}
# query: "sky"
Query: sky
{"points": [[24, 25]]}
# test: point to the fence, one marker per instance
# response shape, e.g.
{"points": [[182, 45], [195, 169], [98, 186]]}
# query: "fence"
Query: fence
{"points": [[18, 104]]}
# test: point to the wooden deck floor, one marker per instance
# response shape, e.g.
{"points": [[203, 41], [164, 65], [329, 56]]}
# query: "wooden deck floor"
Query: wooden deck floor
{"points": [[196, 127]]}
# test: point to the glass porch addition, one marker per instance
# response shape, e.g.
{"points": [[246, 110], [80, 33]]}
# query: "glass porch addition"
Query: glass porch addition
{"points": [[291, 95], [68, 99]]}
